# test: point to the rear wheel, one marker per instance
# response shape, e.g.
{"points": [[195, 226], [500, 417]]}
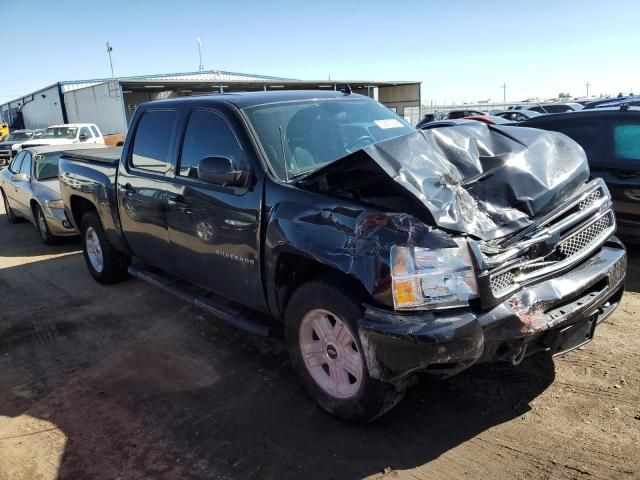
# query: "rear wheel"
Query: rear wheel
{"points": [[105, 263], [43, 227], [325, 350], [11, 217]]}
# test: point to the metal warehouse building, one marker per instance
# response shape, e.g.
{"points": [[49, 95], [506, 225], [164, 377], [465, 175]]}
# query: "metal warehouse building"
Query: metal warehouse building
{"points": [[110, 103]]}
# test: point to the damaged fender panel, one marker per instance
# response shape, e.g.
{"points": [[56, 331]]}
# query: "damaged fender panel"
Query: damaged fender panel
{"points": [[343, 235], [481, 180]]}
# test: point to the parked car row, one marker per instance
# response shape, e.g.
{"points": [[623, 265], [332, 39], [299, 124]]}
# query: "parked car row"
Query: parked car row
{"points": [[384, 250], [65, 134], [30, 190]]}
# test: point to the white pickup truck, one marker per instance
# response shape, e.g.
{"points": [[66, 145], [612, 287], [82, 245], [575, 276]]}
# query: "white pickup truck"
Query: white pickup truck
{"points": [[67, 134]]}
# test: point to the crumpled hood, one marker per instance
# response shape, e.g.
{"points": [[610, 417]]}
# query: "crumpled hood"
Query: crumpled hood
{"points": [[486, 181]]}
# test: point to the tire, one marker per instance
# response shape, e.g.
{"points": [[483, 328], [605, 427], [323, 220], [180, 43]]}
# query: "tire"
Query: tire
{"points": [[353, 399], [105, 263], [43, 228], [11, 217]]}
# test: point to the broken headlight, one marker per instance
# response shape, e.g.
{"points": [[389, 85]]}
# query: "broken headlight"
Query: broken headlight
{"points": [[425, 278]]}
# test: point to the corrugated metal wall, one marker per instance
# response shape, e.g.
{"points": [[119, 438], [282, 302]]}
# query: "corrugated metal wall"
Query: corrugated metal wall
{"points": [[100, 104], [40, 109]]}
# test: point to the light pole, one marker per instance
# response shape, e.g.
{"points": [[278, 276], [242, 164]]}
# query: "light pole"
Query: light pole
{"points": [[504, 92], [199, 42], [109, 49], [588, 84]]}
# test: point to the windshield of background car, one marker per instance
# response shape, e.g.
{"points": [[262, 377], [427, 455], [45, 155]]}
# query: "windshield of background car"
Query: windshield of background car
{"points": [[67, 133], [17, 136], [301, 137], [46, 166]]}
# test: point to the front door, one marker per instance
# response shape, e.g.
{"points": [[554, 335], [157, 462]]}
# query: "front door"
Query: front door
{"points": [[214, 230], [23, 189], [142, 186]]}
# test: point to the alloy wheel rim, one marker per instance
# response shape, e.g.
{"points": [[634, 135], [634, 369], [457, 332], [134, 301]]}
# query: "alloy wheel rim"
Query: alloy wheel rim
{"points": [[42, 224], [94, 250], [331, 354]]}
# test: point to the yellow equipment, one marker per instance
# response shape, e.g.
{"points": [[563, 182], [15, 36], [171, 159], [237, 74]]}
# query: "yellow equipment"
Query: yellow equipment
{"points": [[4, 130]]}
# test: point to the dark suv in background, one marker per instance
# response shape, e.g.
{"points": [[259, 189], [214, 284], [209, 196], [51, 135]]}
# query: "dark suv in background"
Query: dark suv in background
{"points": [[611, 140]]}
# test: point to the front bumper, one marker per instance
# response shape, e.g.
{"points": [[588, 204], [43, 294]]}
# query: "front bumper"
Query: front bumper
{"points": [[58, 222], [532, 319]]}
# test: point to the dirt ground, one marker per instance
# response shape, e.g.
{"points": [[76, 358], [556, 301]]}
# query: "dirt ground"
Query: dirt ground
{"points": [[127, 382]]}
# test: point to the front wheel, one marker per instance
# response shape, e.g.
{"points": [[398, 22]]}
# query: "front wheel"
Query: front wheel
{"points": [[105, 263], [325, 350], [43, 227]]}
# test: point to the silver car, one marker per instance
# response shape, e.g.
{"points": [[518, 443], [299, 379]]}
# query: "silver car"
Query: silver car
{"points": [[30, 189]]}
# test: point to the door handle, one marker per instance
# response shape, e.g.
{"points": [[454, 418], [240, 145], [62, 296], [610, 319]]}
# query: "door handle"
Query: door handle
{"points": [[128, 189], [181, 203]]}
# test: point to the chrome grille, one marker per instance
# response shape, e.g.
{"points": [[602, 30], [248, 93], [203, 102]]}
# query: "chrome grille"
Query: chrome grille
{"points": [[584, 238], [590, 200], [501, 283], [571, 232]]}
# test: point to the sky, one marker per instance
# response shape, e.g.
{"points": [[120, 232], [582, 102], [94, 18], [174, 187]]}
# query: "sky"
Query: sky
{"points": [[462, 50]]}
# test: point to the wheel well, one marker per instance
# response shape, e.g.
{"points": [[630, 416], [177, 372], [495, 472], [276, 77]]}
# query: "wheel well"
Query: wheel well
{"points": [[79, 207], [33, 204], [293, 271]]}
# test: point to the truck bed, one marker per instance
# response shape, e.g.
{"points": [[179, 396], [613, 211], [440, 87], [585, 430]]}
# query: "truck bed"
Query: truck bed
{"points": [[108, 156]]}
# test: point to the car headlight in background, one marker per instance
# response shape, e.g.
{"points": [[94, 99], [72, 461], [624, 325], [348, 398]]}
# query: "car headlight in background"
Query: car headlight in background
{"points": [[55, 204], [15, 147], [426, 279]]}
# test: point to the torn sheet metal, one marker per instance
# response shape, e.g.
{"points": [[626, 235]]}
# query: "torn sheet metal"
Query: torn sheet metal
{"points": [[485, 181]]}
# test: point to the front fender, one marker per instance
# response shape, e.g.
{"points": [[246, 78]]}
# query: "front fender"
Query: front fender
{"points": [[345, 236]]}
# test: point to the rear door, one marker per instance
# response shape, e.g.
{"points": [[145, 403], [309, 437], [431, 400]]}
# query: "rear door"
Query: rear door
{"points": [[142, 185], [214, 230], [11, 187]]}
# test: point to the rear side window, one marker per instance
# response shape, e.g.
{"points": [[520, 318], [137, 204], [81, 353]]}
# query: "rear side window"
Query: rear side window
{"points": [[17, 162], [95, 131], [626, 141], [208, 135], [153, 140], [589, 135], [538, 109]]}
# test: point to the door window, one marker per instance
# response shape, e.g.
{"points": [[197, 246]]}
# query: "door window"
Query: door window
{"points": [[15, 165], [626, 141], [26, 165], [207, 135], [153, 140], [84, 131]]}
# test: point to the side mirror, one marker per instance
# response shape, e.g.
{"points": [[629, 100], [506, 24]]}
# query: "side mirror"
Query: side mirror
{"points": [[83, 137], [221, 171], [19, 177]]}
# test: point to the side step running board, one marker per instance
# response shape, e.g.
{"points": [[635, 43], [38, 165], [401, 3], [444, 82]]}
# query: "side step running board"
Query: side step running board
{"points": [[225, 310]]}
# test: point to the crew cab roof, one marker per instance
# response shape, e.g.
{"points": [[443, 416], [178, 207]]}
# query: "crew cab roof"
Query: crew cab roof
{"points": [[250, 99]]}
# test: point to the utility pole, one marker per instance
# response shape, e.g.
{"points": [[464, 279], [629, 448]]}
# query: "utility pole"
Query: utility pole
{"points": [[504, 92], [199, 42], [588, 84], [109, 50]]}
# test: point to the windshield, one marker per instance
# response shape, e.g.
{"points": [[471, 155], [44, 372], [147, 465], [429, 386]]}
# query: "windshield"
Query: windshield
{"points": [[16, 136], [46, 166], [301, 137], [68, 133]]}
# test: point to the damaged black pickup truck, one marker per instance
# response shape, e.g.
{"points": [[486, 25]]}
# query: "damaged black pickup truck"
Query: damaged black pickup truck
{"points": [[384, 250]]}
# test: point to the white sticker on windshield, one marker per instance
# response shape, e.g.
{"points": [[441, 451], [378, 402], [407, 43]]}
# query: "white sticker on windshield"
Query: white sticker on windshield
{"points": [[388, 123]]}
